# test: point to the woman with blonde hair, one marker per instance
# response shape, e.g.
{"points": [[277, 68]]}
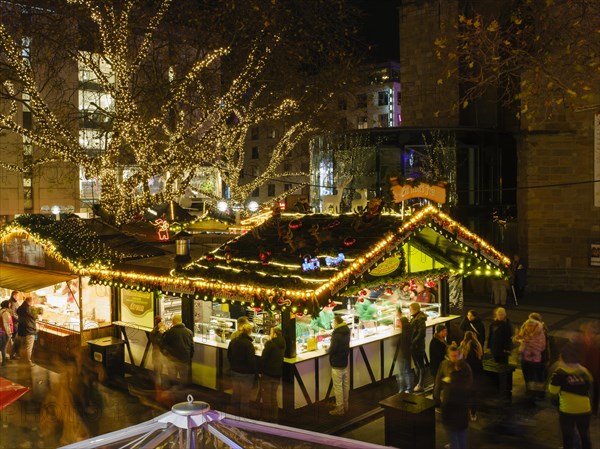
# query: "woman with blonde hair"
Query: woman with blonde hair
{"points": [[472, 353], [532, 342]]}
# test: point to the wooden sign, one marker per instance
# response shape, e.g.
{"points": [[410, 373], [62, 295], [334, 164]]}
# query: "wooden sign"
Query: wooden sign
{"points": [[405, 192]]}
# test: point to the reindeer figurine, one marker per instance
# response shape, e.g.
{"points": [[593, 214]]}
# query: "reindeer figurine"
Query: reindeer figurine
{"points": [[333, 201], [359, 204]]}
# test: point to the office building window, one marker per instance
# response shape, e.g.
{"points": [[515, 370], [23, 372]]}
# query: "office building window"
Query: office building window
{"points": [[382, 98], [271, 133], [270, 189], [383, 120], [287, 187], [362, 123], [254, 133], [255, 153]]}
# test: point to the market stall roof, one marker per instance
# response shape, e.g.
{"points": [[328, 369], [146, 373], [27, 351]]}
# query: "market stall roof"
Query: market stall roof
{"points": [[315, 256], [25, 279], [80, 243]]}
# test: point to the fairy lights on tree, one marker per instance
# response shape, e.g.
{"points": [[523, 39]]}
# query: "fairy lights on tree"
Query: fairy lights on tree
{"points": [[171, 109]]}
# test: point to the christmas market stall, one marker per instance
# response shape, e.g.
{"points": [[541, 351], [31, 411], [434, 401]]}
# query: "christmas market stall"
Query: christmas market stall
{"points": [[297, 271], [48, 260]]}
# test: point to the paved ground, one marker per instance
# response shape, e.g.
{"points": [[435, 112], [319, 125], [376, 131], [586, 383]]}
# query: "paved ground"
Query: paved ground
{"points": [[516, 425]]}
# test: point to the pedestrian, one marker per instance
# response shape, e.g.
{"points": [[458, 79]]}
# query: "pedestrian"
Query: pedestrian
{"points": [[437, 348], [519, 275], [590, 343], [571, 382], [155, 339], [178, 347], [472, 353], [242, 360], [338, 359], [27, 328], [6, 329], [13, 305], [271, 366], [403, 357], [500, 336], [532, 342], [418, 324], [452, 394], [472, 322]]}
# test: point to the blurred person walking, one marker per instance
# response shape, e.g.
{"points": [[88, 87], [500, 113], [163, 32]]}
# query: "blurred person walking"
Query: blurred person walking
{"points": [[271, 366], [156, 339], [13, 305], [418, 324], [6, 329], [452, 394], [242, 360], [338, 359], [571, 382], [472, 353], [403, 357], [178, 347], [590, 342]]}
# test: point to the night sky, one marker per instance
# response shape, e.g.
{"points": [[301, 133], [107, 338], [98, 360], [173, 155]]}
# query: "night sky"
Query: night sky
{"points": [[380, 28]]}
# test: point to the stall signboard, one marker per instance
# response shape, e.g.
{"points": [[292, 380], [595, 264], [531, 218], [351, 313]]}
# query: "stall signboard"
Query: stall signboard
{"points": [[137, 308], [403, 192]]}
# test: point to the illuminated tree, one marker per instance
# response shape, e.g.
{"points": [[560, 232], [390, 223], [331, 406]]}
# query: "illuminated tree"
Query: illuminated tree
{"points": [[531, 51], [179, 84]]}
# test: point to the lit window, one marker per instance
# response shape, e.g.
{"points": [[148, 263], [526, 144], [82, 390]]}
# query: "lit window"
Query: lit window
{"points": [[383, 98], [383, 120], [362, 123]]}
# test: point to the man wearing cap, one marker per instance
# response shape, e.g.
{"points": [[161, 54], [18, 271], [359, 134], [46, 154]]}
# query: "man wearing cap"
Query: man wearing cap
{"points": [[437, 348], [178, 347]]}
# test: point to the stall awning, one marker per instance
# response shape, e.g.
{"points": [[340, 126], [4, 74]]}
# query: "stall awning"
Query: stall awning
{"points": [[29, 279]]}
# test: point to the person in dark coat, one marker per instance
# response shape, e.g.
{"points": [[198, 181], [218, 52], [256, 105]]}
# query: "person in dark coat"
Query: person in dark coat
{"points": [[178, 346], [418, 324], [338, 359], [242, 360], [27, 327], [473, 323], [500, 341], [403, 358], [452, 394], [472, 353], [271, 366], [437, 348]]}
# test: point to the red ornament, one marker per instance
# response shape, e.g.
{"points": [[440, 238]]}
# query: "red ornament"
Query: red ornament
{"points": [[363, 293], [389, 291], [295, 224], [349, 241], [334, 224], [210, 257]]}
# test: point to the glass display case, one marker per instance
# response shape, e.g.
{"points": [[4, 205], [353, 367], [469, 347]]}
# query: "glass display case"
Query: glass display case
{"points": [[216, 329], [167, 307], [58, 305]]}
